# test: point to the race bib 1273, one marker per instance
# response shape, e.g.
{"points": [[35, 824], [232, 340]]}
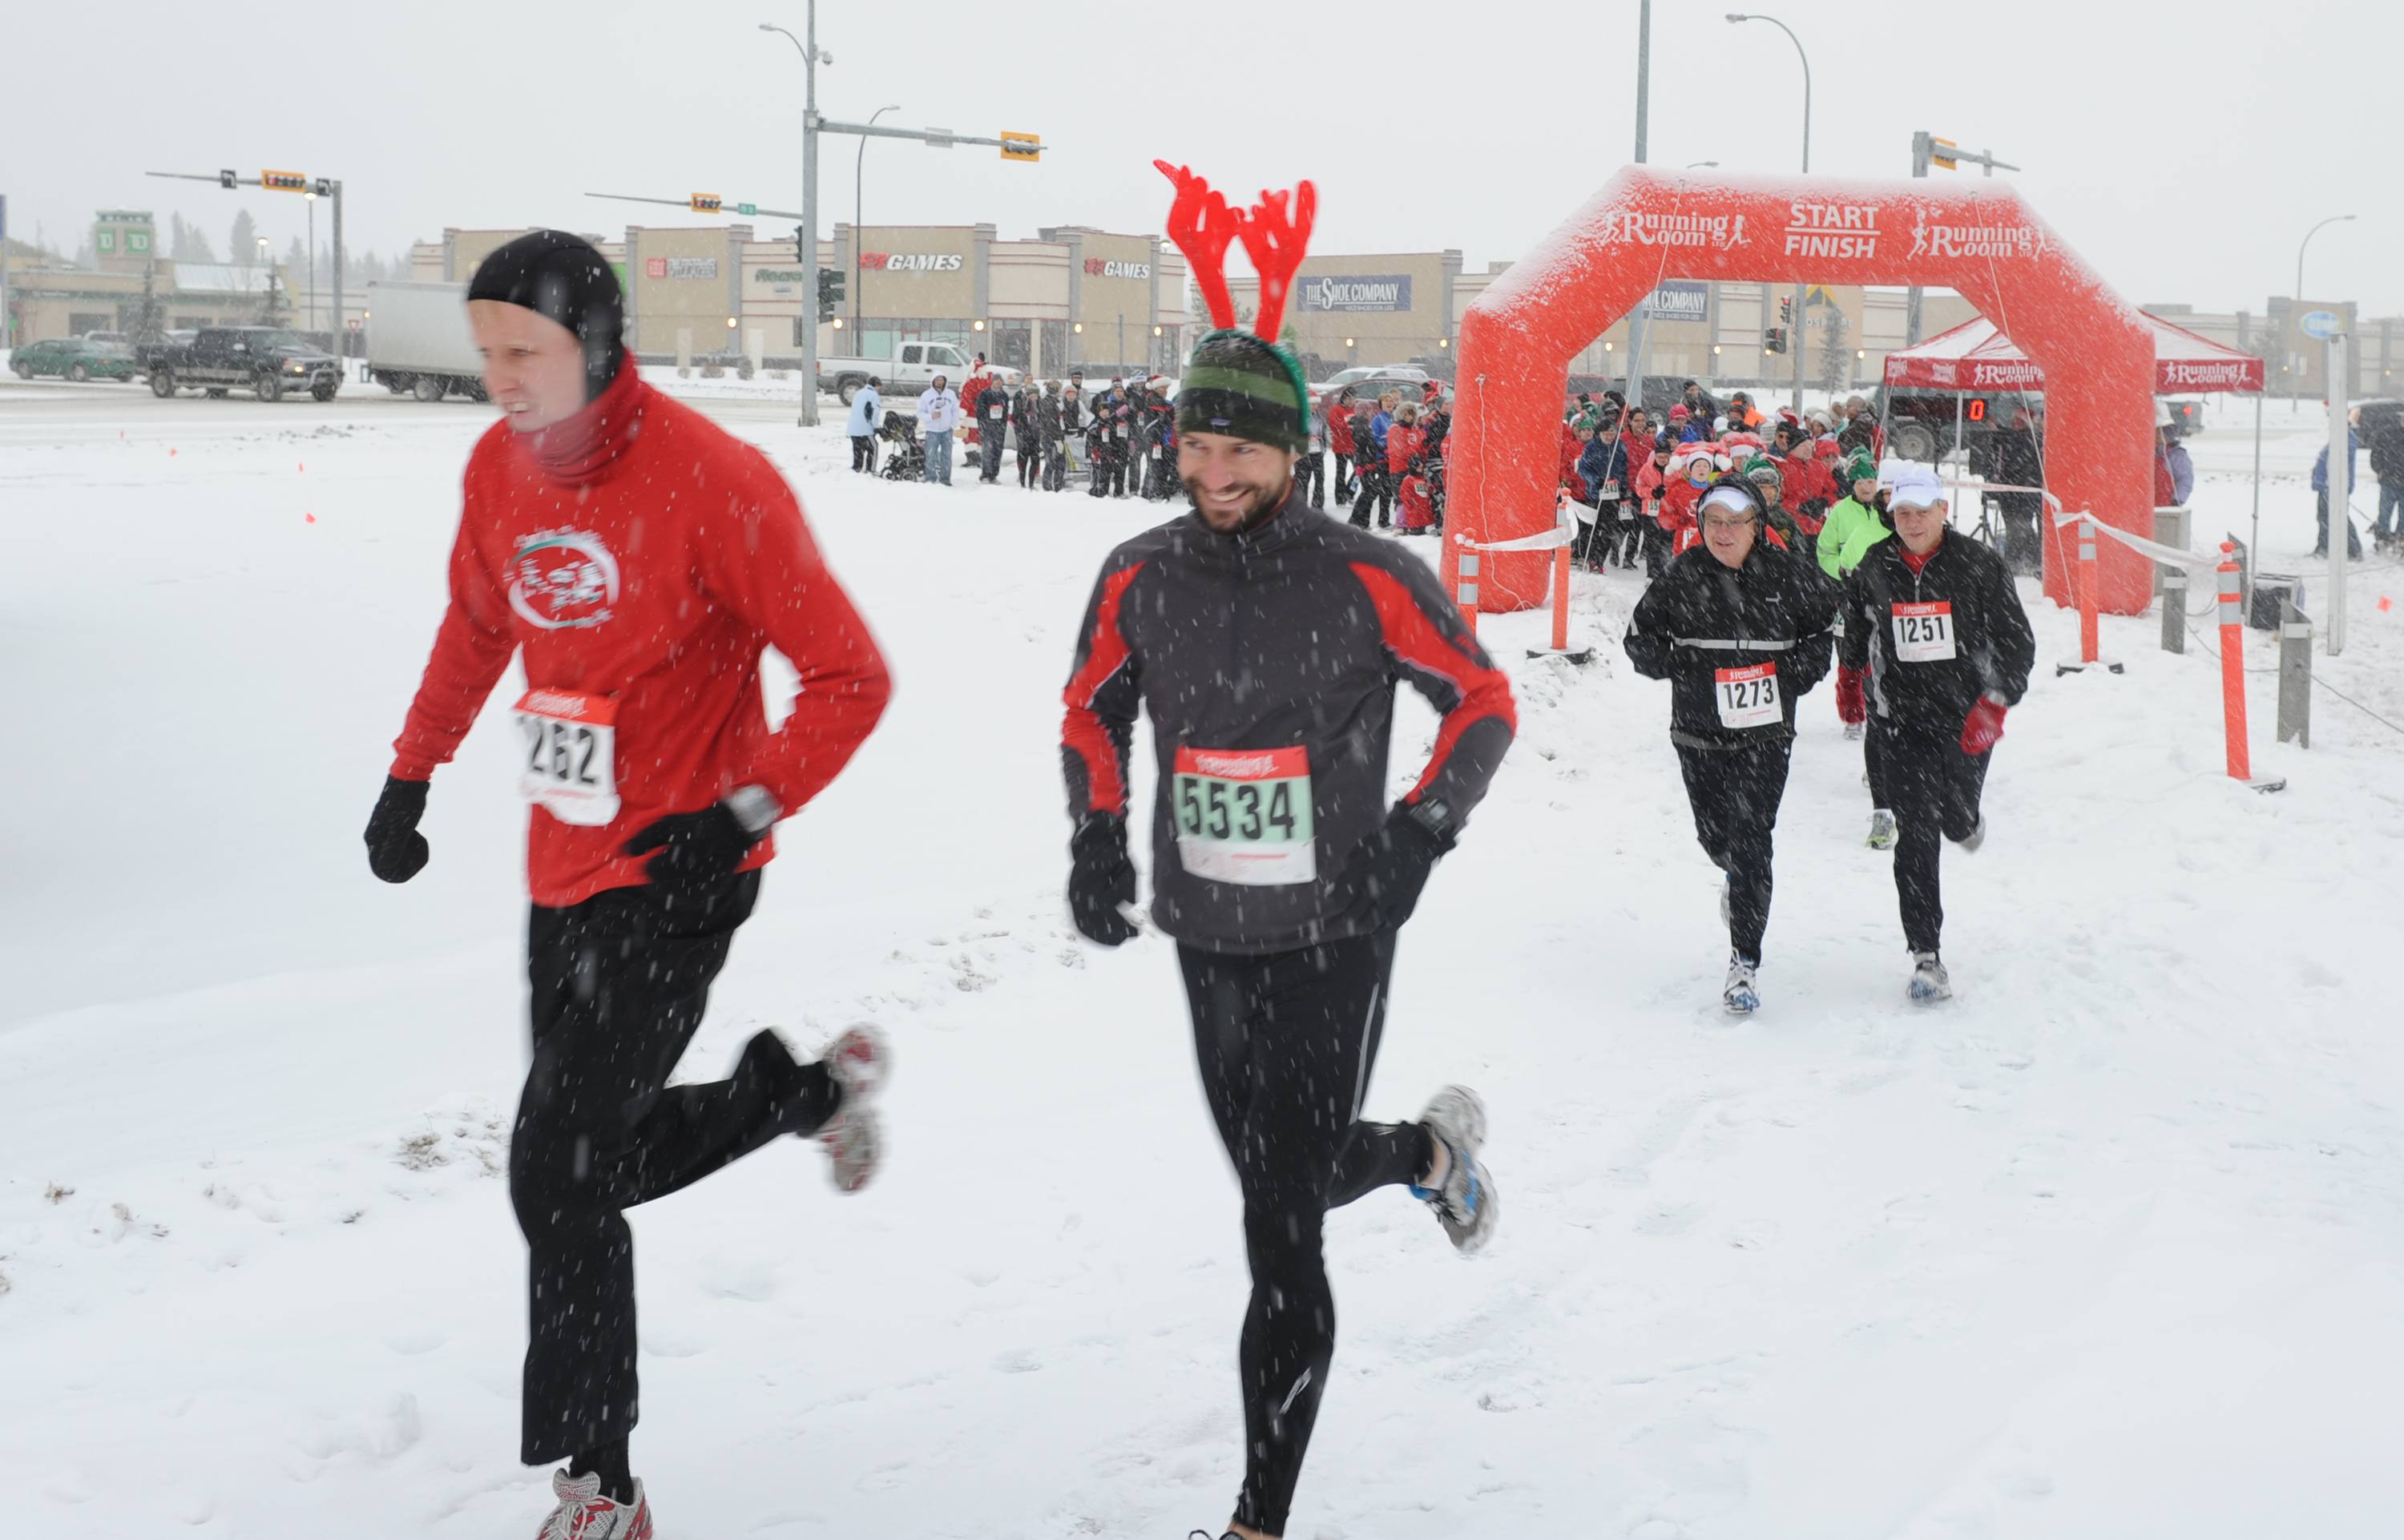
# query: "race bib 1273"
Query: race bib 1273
{"points": [[1748, 697]]}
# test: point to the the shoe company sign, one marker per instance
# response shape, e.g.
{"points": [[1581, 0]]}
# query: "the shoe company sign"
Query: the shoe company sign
{"points": [[1678, 299], [1380, 291]]}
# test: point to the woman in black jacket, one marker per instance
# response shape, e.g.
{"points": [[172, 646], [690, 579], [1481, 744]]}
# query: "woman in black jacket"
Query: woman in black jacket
{"points": [[1740, 628]]}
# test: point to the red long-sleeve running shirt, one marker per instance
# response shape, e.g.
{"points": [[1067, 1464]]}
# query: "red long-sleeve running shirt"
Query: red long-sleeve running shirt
{"points": [[651, 573]]}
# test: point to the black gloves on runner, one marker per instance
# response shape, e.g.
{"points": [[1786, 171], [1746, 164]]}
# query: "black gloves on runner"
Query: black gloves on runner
{"points": [[697, 851], [1100, 878], [396, 851], [1389, 870]]}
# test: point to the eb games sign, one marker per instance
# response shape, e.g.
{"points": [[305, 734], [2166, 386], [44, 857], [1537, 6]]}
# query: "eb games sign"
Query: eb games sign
{"points": [[911, 261]]}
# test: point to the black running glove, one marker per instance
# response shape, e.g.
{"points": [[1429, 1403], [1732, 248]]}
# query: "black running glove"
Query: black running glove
{"points": [[697, 851], [396, 851], [1100, 878], [1382, 881]]}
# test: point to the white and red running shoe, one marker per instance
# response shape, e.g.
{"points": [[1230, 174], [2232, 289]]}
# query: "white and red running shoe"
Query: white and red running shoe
{"points": [[584, 1514], [860, 1062]]}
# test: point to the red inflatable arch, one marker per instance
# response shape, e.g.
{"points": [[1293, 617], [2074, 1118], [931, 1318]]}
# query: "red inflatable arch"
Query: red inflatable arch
{"points": [[1517, 339]]}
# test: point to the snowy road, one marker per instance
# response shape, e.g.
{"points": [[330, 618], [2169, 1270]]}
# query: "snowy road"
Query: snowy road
{"points": [[2114, 1245]]}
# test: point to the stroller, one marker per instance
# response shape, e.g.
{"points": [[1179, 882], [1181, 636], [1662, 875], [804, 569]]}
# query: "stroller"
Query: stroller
{"points": [[905, 458]]}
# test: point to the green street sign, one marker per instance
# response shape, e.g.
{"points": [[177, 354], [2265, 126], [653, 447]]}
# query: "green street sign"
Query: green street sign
{"points": [[747, 208]]}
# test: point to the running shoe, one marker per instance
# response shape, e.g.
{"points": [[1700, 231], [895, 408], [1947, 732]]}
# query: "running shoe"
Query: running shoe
{"points": [[1464, 1203], [1881, 830], [584, 1514], [1929, 981]]}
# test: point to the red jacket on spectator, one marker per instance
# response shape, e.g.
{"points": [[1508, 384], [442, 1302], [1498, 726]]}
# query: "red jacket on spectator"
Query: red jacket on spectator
{"points": [[1401, 444], [1677, 516], [1339, 427], [1571, 449]]}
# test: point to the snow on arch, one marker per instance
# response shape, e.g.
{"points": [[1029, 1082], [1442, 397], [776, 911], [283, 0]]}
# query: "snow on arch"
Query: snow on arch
{"points": [[1980, 238]]}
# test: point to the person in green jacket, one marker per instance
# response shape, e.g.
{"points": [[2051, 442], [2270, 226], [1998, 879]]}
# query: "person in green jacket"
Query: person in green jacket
{"points": [[1855, 523]]}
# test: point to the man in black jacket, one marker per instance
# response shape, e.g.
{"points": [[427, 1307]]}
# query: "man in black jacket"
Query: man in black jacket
{"points": [[2019, 463], [1265, 641], [1937, 648], [1740, 628], [2387, 465], [993, 427], [1026, 432], [1051, 423]]}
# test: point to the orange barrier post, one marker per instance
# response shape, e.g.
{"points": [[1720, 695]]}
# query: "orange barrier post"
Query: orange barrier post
{"points": [[1465, 592], [2232, 664], [1561, 598], [2090, 596]]}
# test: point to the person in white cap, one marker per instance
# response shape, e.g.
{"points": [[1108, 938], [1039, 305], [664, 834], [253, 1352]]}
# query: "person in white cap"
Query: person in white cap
{"points": [[1937, 648]]}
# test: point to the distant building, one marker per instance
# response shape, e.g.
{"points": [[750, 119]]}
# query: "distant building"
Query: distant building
{"points": [[50, 297]]}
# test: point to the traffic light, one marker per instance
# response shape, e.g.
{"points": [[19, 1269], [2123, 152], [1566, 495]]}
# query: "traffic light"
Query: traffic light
{"points": [[1774, 340], [1785, 313], [829, 292], [706, 203], [1021, 146], [283, 181]]}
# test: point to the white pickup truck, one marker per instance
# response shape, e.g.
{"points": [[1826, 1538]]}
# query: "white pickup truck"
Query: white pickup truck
{"points": [[911, 370]]}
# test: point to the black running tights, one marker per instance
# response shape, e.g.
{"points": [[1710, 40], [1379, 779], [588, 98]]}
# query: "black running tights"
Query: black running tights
{"points": [[1286, 1043]]}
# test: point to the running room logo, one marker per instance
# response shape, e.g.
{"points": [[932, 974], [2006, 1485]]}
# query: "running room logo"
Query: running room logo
{"points": [[1832, 230], [1236, 766], [2184, 375], [1956, 240], [562, 580], [912, 262], [1719, 232]]}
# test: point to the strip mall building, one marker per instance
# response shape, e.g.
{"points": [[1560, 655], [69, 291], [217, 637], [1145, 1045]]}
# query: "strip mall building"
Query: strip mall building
{"points": [[1073, 296]]}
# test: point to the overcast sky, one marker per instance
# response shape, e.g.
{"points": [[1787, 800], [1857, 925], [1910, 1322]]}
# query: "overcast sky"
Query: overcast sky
{"points": [[2184, 149]]}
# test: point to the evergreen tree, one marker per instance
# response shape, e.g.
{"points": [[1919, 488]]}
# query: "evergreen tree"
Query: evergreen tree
{"points": [[245, 238], [189, 243], [1836, 353], [148, 324]]}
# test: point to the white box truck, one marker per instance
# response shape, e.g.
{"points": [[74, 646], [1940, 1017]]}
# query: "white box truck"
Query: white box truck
{"points": [[418, 340]]}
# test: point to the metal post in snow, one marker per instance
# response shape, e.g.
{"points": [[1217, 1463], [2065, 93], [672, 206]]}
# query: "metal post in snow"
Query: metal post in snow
{"points": [[2340, 465]]}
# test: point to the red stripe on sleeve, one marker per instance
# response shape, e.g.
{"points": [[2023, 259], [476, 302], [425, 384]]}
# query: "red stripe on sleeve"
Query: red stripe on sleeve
{"points": [[1416, 641], [1082, 728]]}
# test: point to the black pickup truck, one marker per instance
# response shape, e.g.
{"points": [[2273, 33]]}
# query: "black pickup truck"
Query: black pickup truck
{"points": [[267, 361]]}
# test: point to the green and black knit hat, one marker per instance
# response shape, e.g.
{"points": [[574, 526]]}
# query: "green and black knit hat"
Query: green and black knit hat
{"points": [[1238, 384]]}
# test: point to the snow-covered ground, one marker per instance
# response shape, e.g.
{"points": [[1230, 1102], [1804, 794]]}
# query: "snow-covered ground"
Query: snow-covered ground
{"points": [[2113, 1245]]}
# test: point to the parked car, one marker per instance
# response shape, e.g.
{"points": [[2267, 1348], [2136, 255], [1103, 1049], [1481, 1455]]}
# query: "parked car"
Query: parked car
{"points": [[75, 358], [266, 361], [1361, 374], [912, 370]]}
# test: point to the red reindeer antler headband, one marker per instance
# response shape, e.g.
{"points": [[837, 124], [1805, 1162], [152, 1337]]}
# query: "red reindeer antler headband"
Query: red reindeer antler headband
{"points": [[1201, 224]]}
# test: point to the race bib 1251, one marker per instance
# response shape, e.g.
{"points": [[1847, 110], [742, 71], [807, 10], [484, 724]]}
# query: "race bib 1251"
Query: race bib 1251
{"points": [[571, 744], [1243, 815], [1923, 632]]}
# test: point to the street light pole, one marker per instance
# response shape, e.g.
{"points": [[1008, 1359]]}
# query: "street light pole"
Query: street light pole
{"points": [[1794, 336], [809, 242], [1644, 323], [859, 167], [311, 199], [2295, 377]]}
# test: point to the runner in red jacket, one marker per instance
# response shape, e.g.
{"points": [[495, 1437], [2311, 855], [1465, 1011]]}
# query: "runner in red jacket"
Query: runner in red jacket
{"points": [[639, 559]]}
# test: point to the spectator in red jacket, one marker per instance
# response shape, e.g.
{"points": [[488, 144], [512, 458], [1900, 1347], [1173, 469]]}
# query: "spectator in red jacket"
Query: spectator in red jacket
{"points": [[1339, 441]]}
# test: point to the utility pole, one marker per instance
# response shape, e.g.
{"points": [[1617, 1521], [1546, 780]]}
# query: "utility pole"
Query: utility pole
{"points": [[1642, 324], [7, 333], [1927, 150], [1738, 16], [809, 215], [1015, 146]]}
